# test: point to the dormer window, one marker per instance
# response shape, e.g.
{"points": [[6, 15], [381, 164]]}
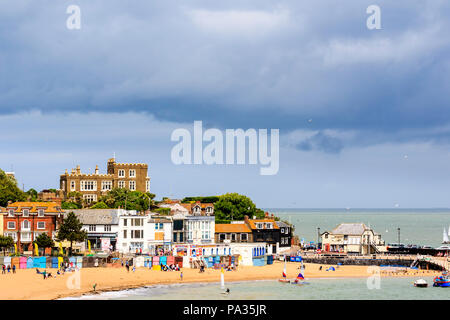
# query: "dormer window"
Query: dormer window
{"points": [[11, 213], [40, 212], [26, 212]]}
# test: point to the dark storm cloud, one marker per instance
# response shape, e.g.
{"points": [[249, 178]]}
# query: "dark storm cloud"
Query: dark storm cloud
{"points": [[260, 64]]}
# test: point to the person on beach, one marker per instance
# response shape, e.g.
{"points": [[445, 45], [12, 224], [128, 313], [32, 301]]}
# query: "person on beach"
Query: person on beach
{"points": [[44, 274], [127, 266], [181, 276], [14, 268], [3, 269], [9, 268], [134, 268]]}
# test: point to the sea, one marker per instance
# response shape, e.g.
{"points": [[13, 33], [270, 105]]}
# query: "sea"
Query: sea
{"points": [[417, 226], [316, 289]]}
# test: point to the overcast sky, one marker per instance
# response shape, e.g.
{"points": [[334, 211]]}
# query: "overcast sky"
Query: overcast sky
{"points": [[364, 115]]}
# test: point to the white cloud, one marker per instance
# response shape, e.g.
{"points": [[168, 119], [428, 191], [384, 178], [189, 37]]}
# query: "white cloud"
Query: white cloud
{"points": [[243, 22]]}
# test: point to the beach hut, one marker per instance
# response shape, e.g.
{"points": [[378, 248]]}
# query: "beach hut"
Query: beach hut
{"points": [[140, 261], [79, 262], [156, 267], [2, 259], [23, 262], [292, 259], [48, 262], [55, 262], [155, 260], [30, 263], [298, 259], [7, 261], [73, 261], [163, 260], [36, 262], [42, 262], [15, 262], [170, 260], [179, 261], [147, 262]]}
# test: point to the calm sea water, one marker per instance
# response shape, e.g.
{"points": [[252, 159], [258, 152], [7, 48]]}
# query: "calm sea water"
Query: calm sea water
{"points": [[317, 289], [417, 226]]}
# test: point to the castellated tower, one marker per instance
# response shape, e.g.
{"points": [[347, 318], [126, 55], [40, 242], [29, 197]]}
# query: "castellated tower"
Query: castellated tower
{"points": [[131, 176]]}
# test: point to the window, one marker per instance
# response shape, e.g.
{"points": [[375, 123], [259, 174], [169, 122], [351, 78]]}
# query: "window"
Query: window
{"points": [[26, 212], [233, 237], [121, 184], [11, 224], [132, 185], [137, 234], [92, 227], [88, 185], [175, 237], [41, 225], [72, 185], [222, 237], [132, 173], [147, 186], [282, 230], [121, 173], [12, 235], [89, 198], [137, 222], [11, 213], [124, 222], [107, 228], [243, 237], [159, 226], [25, 225], [40, 212], [106, 185], [125, 233]]}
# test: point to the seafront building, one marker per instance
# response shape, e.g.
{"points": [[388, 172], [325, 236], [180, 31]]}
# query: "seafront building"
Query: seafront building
{"points": [[101, 225], [131, 176], [25, 221], [352, 238]]}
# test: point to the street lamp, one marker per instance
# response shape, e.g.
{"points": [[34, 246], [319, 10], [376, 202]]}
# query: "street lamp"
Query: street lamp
{"points": [[318, 237]]}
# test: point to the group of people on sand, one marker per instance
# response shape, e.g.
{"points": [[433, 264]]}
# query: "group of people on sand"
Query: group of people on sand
{"points": [[64, 267], [171, 267], [8, 268]]}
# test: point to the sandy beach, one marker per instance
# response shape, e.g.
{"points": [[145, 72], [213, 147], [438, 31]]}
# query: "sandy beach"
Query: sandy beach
{"points": [[27, 284]]}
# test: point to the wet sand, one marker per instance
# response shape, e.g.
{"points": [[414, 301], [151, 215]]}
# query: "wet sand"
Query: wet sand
{"points": [[27, 284]]}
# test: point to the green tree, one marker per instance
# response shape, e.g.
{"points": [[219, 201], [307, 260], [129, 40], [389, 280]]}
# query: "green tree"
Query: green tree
{"points": [[67, 205], [76, 197], [163, 211], [5, 243], [234, 206], [9, 190], [99, 205], [44, 241], [71, 230], [126, 199], [208, 199], [32, 195]]}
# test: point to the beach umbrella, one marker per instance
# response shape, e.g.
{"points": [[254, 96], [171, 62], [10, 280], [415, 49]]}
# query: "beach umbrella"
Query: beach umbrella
{"points": [[36, 249], [61, 249], [89, 246], [15, 248]]}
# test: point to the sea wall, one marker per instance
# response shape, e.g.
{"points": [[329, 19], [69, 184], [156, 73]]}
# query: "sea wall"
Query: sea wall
{"points": [[359, 262]]}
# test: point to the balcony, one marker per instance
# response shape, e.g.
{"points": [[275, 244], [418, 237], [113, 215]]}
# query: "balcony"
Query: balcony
{"points": [[25, 237]]}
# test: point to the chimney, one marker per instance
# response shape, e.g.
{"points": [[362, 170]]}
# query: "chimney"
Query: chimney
{"points": [[246, 219], [78, 169], [96, 169], [267, 214]]}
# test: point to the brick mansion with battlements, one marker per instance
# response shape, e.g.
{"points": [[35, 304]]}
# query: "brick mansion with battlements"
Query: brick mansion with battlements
{"points": [[132, 176]]}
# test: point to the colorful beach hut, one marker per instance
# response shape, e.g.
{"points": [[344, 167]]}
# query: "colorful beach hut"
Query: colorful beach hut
{"points": [[23, 262], [30, 263]]}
